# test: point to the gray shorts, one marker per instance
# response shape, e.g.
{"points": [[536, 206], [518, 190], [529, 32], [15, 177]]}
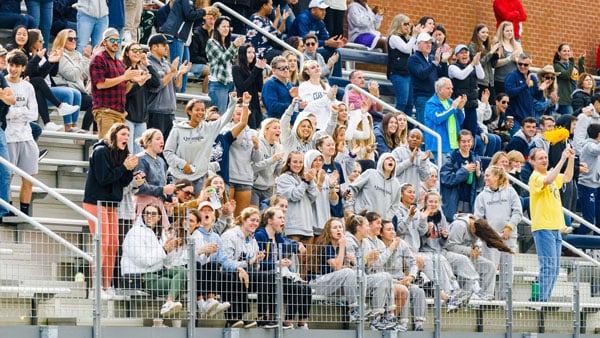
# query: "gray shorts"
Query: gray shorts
{"points": [[240, 187], [259, 195], [24, 155]]}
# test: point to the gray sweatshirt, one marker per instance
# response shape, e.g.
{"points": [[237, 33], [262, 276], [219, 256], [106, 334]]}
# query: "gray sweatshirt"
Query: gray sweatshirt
{"points": [[187, 144], [590, 154], [321, 205], [399, 259], [289, 137], [266, 169], [373, 192], [242, 155], [410, 229], [239, 250], [161, 100], [460, 240], [93, 8], [300, 195], [411, 172], [499, 208]]}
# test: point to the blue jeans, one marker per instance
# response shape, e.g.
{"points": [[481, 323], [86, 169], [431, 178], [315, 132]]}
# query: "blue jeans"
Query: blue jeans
{"points": [[589, 202], [136, 129], [403, 91], [565, 109], [41, 11], [197, 69], [4, 173], [494, 144], [90, 27], [547, 245], [12, 20], [420, 102], [219, 94], [516, 127], [178, 49], [71, 96]]}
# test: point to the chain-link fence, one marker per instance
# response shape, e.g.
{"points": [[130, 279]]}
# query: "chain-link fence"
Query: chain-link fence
{"points": [[155, 272]]}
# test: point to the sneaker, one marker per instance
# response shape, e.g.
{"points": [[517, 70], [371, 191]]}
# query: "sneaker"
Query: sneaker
{"points": [[235, 324], [454, 303], [400, 327], [206, 307], [353, 316], [51, 126], [376, 313], [248, 324], [220, 308], [170, 307], [382, 324], [267, 324], [288, 325], [303, 327], [67, 109], [418, 326], [42, 154]]}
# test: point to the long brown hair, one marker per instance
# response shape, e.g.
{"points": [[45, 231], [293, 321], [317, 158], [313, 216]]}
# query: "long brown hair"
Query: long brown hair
{"points": [[487, 234], [116, 156]]}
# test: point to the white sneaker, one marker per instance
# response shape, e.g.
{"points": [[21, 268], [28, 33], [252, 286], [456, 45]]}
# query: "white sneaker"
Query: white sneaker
{"points": [[220, 308], [67, 109], [51, 126], [205, 307], [170, 307]]}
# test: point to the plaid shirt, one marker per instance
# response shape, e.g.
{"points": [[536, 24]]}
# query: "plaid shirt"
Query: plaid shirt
{"points": [[103, 67], [220, 60]]}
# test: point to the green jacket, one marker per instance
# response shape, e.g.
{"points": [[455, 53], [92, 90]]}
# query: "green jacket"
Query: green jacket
{"points": [[566, 86]]}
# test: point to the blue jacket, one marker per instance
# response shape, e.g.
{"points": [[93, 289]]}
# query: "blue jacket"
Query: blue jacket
{"points": [[452, 175], [424, 73], [306, 23], [180, 20], [288, 247], [276, 97], [10, 6], [436, 118], [521, 96]]}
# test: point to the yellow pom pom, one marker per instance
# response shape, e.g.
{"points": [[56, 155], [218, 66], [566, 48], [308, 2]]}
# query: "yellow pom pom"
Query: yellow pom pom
{"points": [[556, 135]]}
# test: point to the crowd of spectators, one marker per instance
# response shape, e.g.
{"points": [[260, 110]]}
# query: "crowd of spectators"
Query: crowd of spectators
{"points": [[332, 181]]}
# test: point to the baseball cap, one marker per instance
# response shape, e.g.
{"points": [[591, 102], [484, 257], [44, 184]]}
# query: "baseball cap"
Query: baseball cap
{"points": [[110, 32], [459, 48], [158, 39], [206, 204], [3, 50], [424, 37], [318, 3]]}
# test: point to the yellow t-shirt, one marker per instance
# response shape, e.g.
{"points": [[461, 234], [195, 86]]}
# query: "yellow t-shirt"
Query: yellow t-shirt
{"points": [[545, 203]]}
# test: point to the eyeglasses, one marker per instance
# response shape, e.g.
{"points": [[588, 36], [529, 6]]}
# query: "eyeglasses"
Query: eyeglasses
{"points": [[283, 68], [136, 50], [310, 44], [504, 102], [72, 39], [151, 213], [521, 64], [113, 40]]}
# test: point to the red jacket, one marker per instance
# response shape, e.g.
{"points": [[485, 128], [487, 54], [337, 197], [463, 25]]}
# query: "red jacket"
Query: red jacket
{"points": [[510, 10]]}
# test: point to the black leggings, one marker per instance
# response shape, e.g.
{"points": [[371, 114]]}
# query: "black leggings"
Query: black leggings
{"points": [[298, 299], [236, 293], [207, 278], [43, 93]]}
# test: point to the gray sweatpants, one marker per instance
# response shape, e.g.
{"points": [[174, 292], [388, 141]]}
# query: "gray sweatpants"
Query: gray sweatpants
{"points": [[446, 276], [379, 288], [417, 305], [481, 272], [331, 283]]}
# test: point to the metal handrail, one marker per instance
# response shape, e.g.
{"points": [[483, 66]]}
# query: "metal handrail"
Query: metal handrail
{"points": [[51, 192], [390, 107], [565, 210], [270, 36]]}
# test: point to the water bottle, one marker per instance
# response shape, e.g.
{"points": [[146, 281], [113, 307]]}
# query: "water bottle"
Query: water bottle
{"points": [[535, 290]]}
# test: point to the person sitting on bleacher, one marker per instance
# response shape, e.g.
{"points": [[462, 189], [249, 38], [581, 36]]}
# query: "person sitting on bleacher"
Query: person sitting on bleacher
{"points": [[356, 98], [265, 48], [148, 255], [200, 36], [278, 91], [363, 23], [311, 21], [311, 44]]}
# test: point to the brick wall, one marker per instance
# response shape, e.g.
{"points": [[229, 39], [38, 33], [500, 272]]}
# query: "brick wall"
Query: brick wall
{"points": [[549, 23]]}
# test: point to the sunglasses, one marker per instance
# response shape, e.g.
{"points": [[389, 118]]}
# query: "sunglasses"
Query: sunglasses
{"points": [[310, 44], [72, 39], [504, 102], [406, 24], [283, 68], [136, 50], [113, 40], [151, 213], [188, 193], [549, 78], [521, 64]]}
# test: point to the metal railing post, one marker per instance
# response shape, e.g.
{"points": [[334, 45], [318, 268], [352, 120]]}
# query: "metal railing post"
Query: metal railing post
{"points": [[191, 287], [387, 106], [360, 276], [97, 280], [508, 271], [279, 291], [576, 301], [437, 318]]}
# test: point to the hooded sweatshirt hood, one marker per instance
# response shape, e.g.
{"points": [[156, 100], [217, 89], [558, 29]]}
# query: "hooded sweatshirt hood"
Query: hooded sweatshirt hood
{"points": [[309, 157], [380, 162]]}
